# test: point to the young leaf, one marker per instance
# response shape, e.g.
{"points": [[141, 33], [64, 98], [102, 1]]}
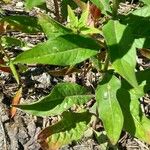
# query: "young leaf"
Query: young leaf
{"points": [[134, 121], [122, 53], [63, 50], [71, 127], [52, 28], [109, 108], [84, 17], [72, 19], [64, 7], [33, 3], [62, 97]]}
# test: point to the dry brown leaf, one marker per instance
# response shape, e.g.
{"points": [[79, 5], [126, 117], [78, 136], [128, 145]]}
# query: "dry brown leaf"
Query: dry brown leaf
{"points": [[15, 101], [145, 52], [3, 68]]}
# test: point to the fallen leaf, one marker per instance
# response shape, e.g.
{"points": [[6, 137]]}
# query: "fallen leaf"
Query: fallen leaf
{"points": [[15, 101], [3, 68], [145, 52]]}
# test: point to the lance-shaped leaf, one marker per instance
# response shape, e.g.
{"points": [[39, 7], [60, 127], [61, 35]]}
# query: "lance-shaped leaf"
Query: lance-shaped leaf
{"points": [[33, 3], [51, 28], [71, 127], [123, 55], [22, 23], [109, 108], [62, 97], [64, 50], [134, 120], [139, 23]]}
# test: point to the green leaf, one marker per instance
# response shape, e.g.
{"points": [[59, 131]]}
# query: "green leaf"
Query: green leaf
{"points": [[142, 77], [89, 30], [109, 108], [147, 2], [25, 24], [134, 120], [139, 23], [52, 28], [84, 17], [63, 50], [10, 41], [123, 55], [103, 5], [33, 3], [64, 5], [62, 97], [70, 128], [72, 19], [14, 71]]}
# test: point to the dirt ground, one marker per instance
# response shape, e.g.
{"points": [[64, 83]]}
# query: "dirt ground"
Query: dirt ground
{"points": [[20, 133]]}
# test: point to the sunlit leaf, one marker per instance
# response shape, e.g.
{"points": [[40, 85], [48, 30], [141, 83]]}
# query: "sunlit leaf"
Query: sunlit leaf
{"points": [[52, 28], [122, 52], [109, 108], [63, 50], [70, 128], [62, 97], [72, 18], [33, 3], [135, 122]]}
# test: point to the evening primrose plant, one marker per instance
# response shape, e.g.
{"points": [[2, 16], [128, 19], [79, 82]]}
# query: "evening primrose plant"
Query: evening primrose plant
{"points": [[121, 84]]}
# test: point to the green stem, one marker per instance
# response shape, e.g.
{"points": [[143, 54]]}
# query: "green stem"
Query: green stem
{"points": [[11, 65], [106, 63]]}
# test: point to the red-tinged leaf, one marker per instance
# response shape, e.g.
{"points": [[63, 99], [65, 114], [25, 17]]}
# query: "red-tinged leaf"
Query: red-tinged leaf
{"points": [[15, 101], [95, 12], [3, 68]]}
